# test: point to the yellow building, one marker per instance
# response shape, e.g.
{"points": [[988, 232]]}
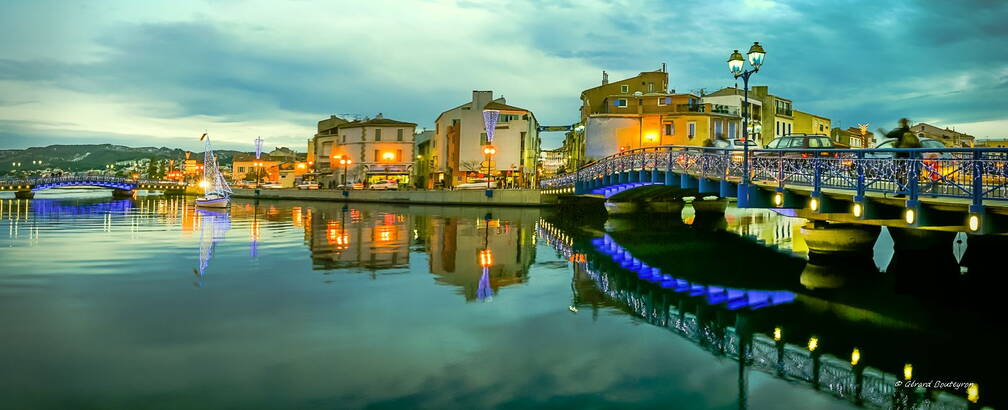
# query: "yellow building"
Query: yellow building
{"points": [[777, 116], [639, 112], [805, 123], [992, 143]]}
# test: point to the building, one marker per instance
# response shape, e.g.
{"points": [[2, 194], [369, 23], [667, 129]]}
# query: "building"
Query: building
{"points": [[734, 97], [776, 115], [291, 173], [284, 154], [992, 143], [422, 171], [947, 136], [853, 137], [378, 148], [245, 167], [805, 123], [639, 112], [460, 135], [552, 161], [321, 145]]}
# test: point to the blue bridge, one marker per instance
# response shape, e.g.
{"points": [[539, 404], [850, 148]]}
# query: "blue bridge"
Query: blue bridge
{"points": [[25, 188], [950, 188]]}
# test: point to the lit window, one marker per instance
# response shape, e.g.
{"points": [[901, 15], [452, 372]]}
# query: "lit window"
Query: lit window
{"points": [[691, 129]]}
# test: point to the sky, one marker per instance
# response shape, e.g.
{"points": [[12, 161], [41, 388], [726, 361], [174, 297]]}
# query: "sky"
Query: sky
{"points": [[161, 73]]}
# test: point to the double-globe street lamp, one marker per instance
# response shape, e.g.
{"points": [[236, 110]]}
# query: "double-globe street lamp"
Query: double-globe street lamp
{"points": [[489, 151], [736, 64], [345, 162]]}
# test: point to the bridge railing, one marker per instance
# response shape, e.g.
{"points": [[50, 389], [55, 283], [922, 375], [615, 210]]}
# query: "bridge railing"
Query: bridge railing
{"points": [[84, 179], [973, 173]]}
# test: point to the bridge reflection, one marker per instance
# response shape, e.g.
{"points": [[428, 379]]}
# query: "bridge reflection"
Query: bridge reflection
{"points": [[757, 333]]}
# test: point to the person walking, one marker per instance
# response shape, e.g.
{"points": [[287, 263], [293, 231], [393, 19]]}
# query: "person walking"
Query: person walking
{"points": [[904, 139]]}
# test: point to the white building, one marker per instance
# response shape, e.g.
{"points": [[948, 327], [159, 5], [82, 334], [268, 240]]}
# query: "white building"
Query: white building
{"points": [[733, 97], [379, 148], [457, 146]]}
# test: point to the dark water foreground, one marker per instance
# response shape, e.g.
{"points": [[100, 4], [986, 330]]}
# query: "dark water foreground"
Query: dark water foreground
{"points": [[151, 304]]}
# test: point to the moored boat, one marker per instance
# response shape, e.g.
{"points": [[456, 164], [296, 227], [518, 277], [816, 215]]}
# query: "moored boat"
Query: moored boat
{"points": [[216, 192]]}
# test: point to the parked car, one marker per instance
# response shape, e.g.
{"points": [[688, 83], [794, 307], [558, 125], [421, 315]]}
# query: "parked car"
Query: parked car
{"points": [[480, 183], [809, 142], [308, 185], [737, 145], [925, 143], [389, 184], [272, 186]]}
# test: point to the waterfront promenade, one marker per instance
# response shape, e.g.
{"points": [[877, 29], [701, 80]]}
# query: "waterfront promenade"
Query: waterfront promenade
{"points": [[500, 197]]}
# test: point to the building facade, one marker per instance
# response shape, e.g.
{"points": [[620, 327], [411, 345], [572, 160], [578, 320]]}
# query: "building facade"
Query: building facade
{"points": [[776, 115], [245, 167], [947, 136], [460, 135], [551, 161], [378, 148], [805, 123], [642, 113], [853, 137], [734, 97], [422, 171], [321, 145]]}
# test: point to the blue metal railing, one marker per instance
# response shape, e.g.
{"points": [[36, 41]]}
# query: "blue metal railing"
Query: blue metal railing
{"points": [[977, 174], [98, 180]]}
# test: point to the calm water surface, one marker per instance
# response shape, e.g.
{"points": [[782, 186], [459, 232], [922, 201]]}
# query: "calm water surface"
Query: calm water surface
{"points": [[149, 303]]}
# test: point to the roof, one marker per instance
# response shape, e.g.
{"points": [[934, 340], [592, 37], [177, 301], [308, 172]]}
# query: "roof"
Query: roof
{"points": [[494, 105], [625, 79], [812, 115], [931, 129], [377, 122]]}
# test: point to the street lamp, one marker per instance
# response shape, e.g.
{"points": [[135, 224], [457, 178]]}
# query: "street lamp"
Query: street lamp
{"points": [[736, 65], [345, 162], [489, 151]]}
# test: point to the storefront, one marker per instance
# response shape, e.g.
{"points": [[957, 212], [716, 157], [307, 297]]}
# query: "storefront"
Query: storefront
{"points": [[397, 173]]}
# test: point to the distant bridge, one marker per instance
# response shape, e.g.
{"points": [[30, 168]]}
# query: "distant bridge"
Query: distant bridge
{"points": [[25, 188], [651, 295], [962, 187]]}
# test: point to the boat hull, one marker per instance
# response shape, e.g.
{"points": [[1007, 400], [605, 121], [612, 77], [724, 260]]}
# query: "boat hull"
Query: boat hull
{"points": [[213, 203]]}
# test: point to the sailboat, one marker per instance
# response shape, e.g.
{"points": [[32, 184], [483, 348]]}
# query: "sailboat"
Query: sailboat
{"points": [[216, 192]]}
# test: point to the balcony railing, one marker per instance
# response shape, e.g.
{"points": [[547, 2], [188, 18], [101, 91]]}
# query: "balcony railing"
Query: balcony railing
{"points": [[690, 108]]}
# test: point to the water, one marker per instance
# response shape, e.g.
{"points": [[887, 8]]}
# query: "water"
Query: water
{"points": [[150, 303]]}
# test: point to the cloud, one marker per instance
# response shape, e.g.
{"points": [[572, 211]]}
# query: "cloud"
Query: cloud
{"points": [[242, 69]]}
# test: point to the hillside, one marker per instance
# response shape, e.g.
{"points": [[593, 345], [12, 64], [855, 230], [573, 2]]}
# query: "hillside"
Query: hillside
{"points": [[93, 156]]}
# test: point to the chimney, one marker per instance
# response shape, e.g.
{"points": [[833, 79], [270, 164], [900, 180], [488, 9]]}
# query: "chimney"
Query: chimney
{"points": [[481, 99], [379, 116], [663, 68], [605, 77]]}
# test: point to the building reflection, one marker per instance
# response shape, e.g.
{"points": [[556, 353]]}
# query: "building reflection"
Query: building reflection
{"points": [[479, 255], [356, 237]]}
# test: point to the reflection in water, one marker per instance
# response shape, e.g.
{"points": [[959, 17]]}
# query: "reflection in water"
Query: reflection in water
{"points": [[213, 226]]}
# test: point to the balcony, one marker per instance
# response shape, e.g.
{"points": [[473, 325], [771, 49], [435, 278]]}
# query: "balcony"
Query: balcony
{"points": [[724, 109], [787, 112], [690, 108]]}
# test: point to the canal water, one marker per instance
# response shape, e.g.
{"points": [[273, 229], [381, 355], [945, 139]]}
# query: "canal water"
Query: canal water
{"points": [[149, 303]]}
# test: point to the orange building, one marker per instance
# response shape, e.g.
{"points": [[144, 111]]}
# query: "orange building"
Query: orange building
{"points": [[247, 167]]}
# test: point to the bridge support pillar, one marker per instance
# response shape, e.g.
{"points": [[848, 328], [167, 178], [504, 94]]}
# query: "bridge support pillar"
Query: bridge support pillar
{"points": [[708, 186], [624, 177], [654, 175], [752, 196], [687, 181], [917, 215], [728, 189], [24, 194], [644, 176], [633, 176]]}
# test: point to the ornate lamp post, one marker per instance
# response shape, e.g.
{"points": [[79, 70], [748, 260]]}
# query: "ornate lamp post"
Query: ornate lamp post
{"points": [[345, 162], [736, 64], [489, 151]]}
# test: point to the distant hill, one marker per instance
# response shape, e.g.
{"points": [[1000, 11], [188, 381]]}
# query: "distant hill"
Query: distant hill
{"points": [[94, 156]]}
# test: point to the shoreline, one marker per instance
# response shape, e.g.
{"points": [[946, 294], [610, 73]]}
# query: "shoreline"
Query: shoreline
{"points": [[504, 197]]}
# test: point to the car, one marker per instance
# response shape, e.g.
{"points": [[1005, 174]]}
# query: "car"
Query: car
{"points": [[479, 183], [308, 185], [925, 143], [810, 142], [389, 184], [272, 186], [737, 146]]}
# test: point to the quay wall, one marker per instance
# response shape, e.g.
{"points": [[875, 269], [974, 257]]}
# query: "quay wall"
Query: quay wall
{"points": [[503, 197]]}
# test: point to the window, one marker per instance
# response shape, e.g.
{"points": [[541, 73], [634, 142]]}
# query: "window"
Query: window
{"points": [[650, 87], [399, 134], [398, 155], [669, 128], [344, 139], [664, 100], [777, 124], [691, 129], [732, 128], [377, 134], [620, 102], [718, 129], [377, 156], [241, 169], [624, 89], [789, 128]]}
